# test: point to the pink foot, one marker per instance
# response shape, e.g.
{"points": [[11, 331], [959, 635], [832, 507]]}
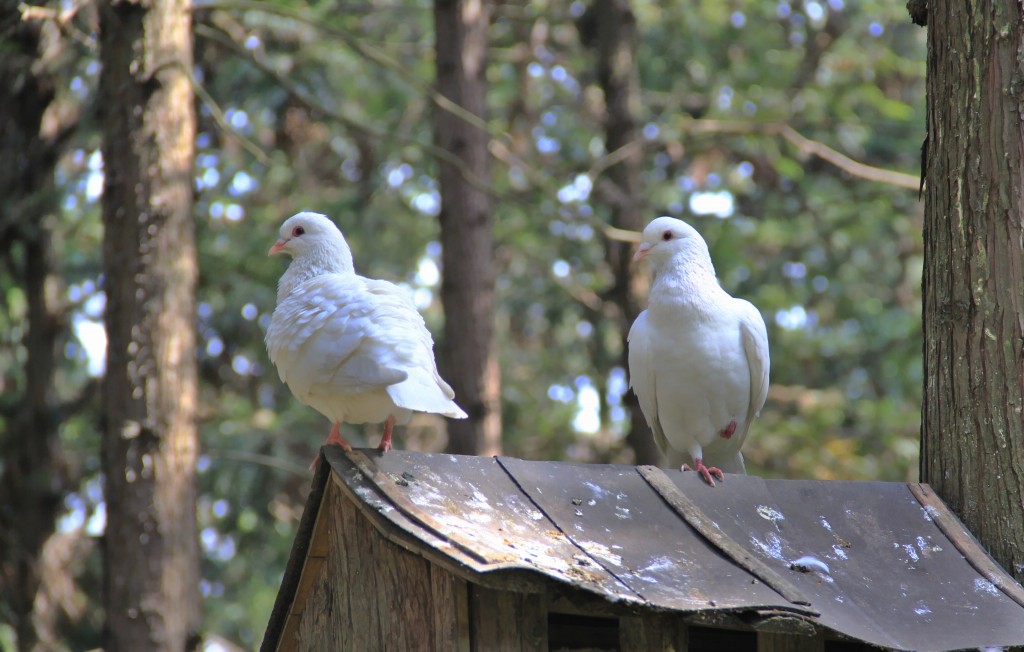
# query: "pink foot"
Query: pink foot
{"points": [[333, 439], [385, 441], [706, 471]]}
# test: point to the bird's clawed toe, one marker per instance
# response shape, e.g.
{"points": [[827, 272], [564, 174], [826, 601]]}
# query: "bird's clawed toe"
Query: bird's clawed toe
{"points": [[706, 472], [335, 439]]}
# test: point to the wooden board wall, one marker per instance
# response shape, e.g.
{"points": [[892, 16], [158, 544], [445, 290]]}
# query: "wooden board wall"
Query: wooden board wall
{"points": [[504, 621], [372, 594]]}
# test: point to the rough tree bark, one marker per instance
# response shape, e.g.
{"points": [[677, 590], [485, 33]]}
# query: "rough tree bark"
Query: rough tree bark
{"points": [[972, 440], [608, 27], [151, 550], [468, 356], [32, 481]]}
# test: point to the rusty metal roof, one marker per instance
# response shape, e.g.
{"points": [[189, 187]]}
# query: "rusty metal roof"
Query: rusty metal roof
{"points": [[885, 563]]}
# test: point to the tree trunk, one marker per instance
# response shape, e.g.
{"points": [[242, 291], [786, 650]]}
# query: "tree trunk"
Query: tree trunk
{"points": [[468, 357], [31, 477], [609, 28], [151, 551], [972, 443]]}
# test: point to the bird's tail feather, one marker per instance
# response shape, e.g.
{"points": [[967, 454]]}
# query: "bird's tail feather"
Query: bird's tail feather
{"points": [[423, 395]]}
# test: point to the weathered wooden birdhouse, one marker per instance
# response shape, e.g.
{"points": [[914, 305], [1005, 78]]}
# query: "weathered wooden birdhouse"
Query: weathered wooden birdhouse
{"points": [[409, 551]]}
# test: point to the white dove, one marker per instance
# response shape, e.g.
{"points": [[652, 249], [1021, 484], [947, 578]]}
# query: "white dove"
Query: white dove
{"points": [[698, 358], [354, 349]]}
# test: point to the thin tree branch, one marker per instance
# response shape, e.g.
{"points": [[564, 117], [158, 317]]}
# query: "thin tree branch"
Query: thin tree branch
{"points": [[62, 19], [547, 184], [845, 163], [805, 145], [497, 146], [248, 457], [221, 119], [362, 47], [293, 89], [613, 158]]}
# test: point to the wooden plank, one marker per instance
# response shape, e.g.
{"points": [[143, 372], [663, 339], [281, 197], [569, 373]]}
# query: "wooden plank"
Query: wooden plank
{"points": [[772, 642], [371, 593], [289, 636], [779, 623], [312, 630], [450, 595], [503, 621], [652, 633], [320, 625], [315, 556], [965, 542], [693, 515], [716, 620], [585, 604], [280, 633], [405, 607]]}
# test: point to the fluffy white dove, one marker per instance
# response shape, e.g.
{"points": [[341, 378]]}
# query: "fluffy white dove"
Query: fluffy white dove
{"points": [[354, 349], [698, 357]]}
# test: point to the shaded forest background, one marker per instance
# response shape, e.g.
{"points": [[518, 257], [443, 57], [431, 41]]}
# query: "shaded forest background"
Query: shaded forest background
{"points": [[748, 114]]}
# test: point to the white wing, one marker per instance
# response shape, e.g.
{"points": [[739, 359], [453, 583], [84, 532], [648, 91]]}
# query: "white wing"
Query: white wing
{"points": [[401, 329], [643, 379], [755, 346], [330, 334], [754, 339]]}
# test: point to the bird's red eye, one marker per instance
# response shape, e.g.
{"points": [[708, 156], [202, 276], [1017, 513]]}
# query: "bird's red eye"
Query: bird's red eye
{"points": [[297, 231], [667, 235]]}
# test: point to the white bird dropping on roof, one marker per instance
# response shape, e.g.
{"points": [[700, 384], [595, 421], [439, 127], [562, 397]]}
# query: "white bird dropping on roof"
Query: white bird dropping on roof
{"points": [[809, 563], [698, 358], [354, 349]]}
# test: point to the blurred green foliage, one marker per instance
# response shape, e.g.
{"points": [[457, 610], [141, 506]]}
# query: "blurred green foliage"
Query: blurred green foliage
{"points": [[326, 106]]}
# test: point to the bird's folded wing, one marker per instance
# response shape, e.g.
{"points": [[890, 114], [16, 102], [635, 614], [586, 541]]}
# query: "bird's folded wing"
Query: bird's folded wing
{"points": [[332, 335], [413, 348], [642, 377], [755, 346]]}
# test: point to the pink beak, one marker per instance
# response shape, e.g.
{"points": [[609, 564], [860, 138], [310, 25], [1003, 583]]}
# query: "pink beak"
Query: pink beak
{"points": [[642, 251], [278, 246]]}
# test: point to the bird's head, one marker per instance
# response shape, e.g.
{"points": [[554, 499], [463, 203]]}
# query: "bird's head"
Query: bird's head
{"points": [[665, 237], [304, 231], [314, 240]]}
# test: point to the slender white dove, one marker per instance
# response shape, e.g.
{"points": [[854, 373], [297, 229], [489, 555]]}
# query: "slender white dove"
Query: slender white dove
{"points": [[354, 349], [698, 357]]}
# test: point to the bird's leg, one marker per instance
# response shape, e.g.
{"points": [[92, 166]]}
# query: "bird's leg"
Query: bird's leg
{"points": [[705, 471], [333, 439], [385, 441]]}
